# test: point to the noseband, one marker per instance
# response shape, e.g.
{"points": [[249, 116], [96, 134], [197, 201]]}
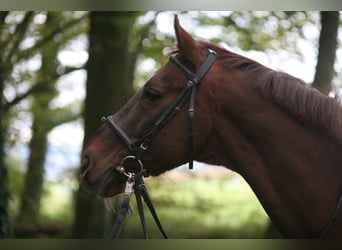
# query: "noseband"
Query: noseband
{"points": [[135, 181]]}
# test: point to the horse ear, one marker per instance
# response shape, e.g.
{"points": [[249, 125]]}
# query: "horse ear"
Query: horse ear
{"points": [[186, 44]]}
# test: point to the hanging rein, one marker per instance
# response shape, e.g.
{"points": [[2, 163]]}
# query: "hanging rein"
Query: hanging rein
{"points": [[135, 182]]}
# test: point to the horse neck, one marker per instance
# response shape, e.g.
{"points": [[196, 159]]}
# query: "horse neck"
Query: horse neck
{"points": [[294, 171]]}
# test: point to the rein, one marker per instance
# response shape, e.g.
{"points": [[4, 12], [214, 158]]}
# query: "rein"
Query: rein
{"points": [[135, 181]]}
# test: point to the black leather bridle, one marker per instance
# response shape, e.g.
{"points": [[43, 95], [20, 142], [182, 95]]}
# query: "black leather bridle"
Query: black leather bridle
{"points": [[134, 181], [137, 148]]}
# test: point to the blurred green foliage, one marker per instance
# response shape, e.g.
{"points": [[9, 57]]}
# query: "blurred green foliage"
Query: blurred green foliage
{"points": [[56, 215], [201, 207]]}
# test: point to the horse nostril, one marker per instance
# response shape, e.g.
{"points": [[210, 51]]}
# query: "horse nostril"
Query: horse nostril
{"points": [[86, 166]]}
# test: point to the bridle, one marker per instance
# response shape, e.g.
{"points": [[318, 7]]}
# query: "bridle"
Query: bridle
{"points": [[137, 148]]}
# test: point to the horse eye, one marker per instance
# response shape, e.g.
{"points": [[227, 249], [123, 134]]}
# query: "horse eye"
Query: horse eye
{"points": [[152, 95]]}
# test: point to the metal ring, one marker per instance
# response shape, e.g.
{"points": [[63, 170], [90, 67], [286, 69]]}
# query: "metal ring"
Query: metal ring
{"points": [[123, 170]]}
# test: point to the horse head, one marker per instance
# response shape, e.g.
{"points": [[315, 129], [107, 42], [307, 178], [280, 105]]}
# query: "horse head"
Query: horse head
{"points": [[168, 146]]}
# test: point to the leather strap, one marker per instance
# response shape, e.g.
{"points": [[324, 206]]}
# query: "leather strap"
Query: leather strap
{"points": [[194, 80], [139, 191], [140, 186], [119, 132]]}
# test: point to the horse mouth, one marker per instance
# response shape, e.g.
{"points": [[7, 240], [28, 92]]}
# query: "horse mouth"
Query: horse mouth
{"points": [[110, 185]]}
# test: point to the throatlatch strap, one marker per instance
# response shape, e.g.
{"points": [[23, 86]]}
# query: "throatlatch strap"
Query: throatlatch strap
{"points": [[194, 80], [191, 113]]}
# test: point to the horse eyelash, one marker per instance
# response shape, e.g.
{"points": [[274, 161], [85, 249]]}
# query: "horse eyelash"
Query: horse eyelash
{"points": [[152, 95]]}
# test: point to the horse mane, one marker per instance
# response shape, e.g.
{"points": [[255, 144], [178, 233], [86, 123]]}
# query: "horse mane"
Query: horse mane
{"points": [[306, 104]]}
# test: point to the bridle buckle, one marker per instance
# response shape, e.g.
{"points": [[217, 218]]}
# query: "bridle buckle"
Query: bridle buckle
{"points": [[144, 146]]}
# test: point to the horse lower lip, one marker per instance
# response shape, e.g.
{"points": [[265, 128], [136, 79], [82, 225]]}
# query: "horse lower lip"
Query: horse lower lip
{"points": [[103, 191], [110, 180]]}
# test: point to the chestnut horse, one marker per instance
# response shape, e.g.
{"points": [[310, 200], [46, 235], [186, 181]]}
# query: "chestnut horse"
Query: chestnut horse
{"points": [[283, 137]]}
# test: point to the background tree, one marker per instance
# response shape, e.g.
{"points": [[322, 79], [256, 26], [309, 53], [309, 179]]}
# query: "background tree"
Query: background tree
{"points": [[24, 38], [328, 42], [4, 196], [44, 117], [5, 68], [114, 45]]}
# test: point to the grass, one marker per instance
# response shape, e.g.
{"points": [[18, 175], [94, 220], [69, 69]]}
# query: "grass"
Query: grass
{"points": [[201, 207]]}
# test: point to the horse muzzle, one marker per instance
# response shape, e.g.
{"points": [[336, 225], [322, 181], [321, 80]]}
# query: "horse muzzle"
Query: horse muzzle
{"points": [[107, 184]]}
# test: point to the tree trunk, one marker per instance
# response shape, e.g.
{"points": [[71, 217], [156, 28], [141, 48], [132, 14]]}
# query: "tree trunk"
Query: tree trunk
{"points": [[327, 51], [5, 226], [34, 178], [107, 90]]}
